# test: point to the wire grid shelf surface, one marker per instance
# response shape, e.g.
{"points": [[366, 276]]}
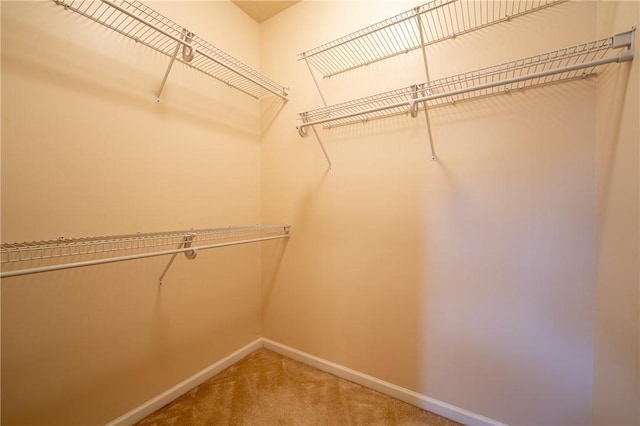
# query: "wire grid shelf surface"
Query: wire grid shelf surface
{"points": [[144, 25], [439, 20], [563, 64], [132, 243]]}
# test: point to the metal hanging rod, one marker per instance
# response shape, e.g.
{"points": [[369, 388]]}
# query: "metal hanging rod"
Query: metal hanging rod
{"points": [[427, 24], [101, 250], [144, 25], [563, 64]]}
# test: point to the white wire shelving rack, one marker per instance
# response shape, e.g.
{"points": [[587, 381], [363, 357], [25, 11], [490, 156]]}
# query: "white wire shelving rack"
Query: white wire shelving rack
{"points": [[68, 253], [417, 28], [427, 24], [572, 62], [141, 23]]}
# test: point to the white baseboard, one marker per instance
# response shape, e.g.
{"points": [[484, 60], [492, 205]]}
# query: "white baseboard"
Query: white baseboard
{"points": [[442, 408], [183, 387]]}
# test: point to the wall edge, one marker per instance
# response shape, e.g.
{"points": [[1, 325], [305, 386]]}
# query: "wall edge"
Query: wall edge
{"points": [[422, 401], [140, 412]]}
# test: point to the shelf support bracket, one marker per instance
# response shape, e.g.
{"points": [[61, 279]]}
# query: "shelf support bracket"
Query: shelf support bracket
{"points": [[186, 242], [324, 151], [426, 70], [313, 76], [303, 131], [187, 55], [625, 39], [166, 74]]}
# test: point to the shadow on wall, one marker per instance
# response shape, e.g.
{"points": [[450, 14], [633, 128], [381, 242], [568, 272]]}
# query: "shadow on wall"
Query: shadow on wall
{"points": [[619, 80], [270, 108], [85, 345], [506, 262], [131, 75]]}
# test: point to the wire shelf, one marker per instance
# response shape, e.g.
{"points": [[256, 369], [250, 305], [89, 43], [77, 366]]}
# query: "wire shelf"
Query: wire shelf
{"points": [[133, 19], [440, 20], [551, 67], [103, 249]]}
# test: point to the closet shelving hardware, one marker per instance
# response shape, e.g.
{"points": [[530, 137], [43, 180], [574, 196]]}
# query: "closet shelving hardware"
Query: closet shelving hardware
{"points": [[141, 23], [66, 253], [416, 28], [429, 23], [559, 65]]}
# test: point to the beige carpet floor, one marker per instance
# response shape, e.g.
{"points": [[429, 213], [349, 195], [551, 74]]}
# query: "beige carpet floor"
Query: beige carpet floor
{"points": [[266, 388]]}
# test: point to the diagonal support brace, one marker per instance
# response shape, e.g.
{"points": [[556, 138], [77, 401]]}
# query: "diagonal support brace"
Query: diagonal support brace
{"points": [[426, 70], [187, 55], [187, 240], [303, 131]]}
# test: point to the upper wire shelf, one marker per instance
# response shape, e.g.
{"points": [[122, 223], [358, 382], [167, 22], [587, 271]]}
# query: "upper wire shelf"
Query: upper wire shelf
{"points": [[107, 249], [558, 65], [141, 23], [440, 20]]}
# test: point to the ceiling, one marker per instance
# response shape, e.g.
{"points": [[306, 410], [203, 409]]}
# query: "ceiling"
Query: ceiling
{"points": [[262, 10]]}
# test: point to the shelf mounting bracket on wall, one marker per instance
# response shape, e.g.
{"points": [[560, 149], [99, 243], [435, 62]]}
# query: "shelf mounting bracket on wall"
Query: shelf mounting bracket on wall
{"points": [[187, 55], [304, 132], [315, 80], [426, 70], [186, 242]]}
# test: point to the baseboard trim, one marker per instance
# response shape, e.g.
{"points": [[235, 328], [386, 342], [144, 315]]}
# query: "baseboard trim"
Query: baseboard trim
{"points": [[185, 386], [442, 408]]}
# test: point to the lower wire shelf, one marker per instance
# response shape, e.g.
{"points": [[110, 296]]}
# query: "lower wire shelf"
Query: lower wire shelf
{"points": [[67, 253]]}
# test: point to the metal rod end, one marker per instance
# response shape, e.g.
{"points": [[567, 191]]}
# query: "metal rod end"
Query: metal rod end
{"points": [[303, 131], [192, 254]]}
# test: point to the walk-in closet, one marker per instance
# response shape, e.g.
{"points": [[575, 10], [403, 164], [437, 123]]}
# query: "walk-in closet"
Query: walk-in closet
{"points": [[423, 213]]}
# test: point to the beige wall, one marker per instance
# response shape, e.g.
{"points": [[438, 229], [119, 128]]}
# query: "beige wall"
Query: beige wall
{"points": [[616, 369], [87, 151], [469, 279]]}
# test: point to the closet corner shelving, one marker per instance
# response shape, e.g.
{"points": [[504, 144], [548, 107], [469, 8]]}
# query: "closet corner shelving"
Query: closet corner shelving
{"points": [[434, 22], [141, 23], [17, 259]]}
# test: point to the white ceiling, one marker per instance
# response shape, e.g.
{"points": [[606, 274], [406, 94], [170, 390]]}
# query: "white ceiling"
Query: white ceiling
{"points": [[262, 10]]}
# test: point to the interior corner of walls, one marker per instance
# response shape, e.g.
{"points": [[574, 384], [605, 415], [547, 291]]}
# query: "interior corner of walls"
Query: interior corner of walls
{"points": [[154, 404], [421, 401]]}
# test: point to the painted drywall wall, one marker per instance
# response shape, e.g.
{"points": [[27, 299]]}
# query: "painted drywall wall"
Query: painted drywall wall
{"points": [[87, 151], [616, 368], [468, 279]]}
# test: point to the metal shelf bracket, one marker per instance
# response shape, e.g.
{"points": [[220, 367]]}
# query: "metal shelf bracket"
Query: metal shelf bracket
{"points": [[303, 131], [187, 240], [188, 53], [627, 39]]}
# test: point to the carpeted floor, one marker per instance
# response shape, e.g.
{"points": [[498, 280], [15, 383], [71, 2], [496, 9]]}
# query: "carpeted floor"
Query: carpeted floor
{"points": [[267, 389]]}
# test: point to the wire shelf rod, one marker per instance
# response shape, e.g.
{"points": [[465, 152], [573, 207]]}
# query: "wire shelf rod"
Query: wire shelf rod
{"points": [[441, 19], [20, 272], [133, 19], [101, 245], [536, 70], [186, 44]]}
